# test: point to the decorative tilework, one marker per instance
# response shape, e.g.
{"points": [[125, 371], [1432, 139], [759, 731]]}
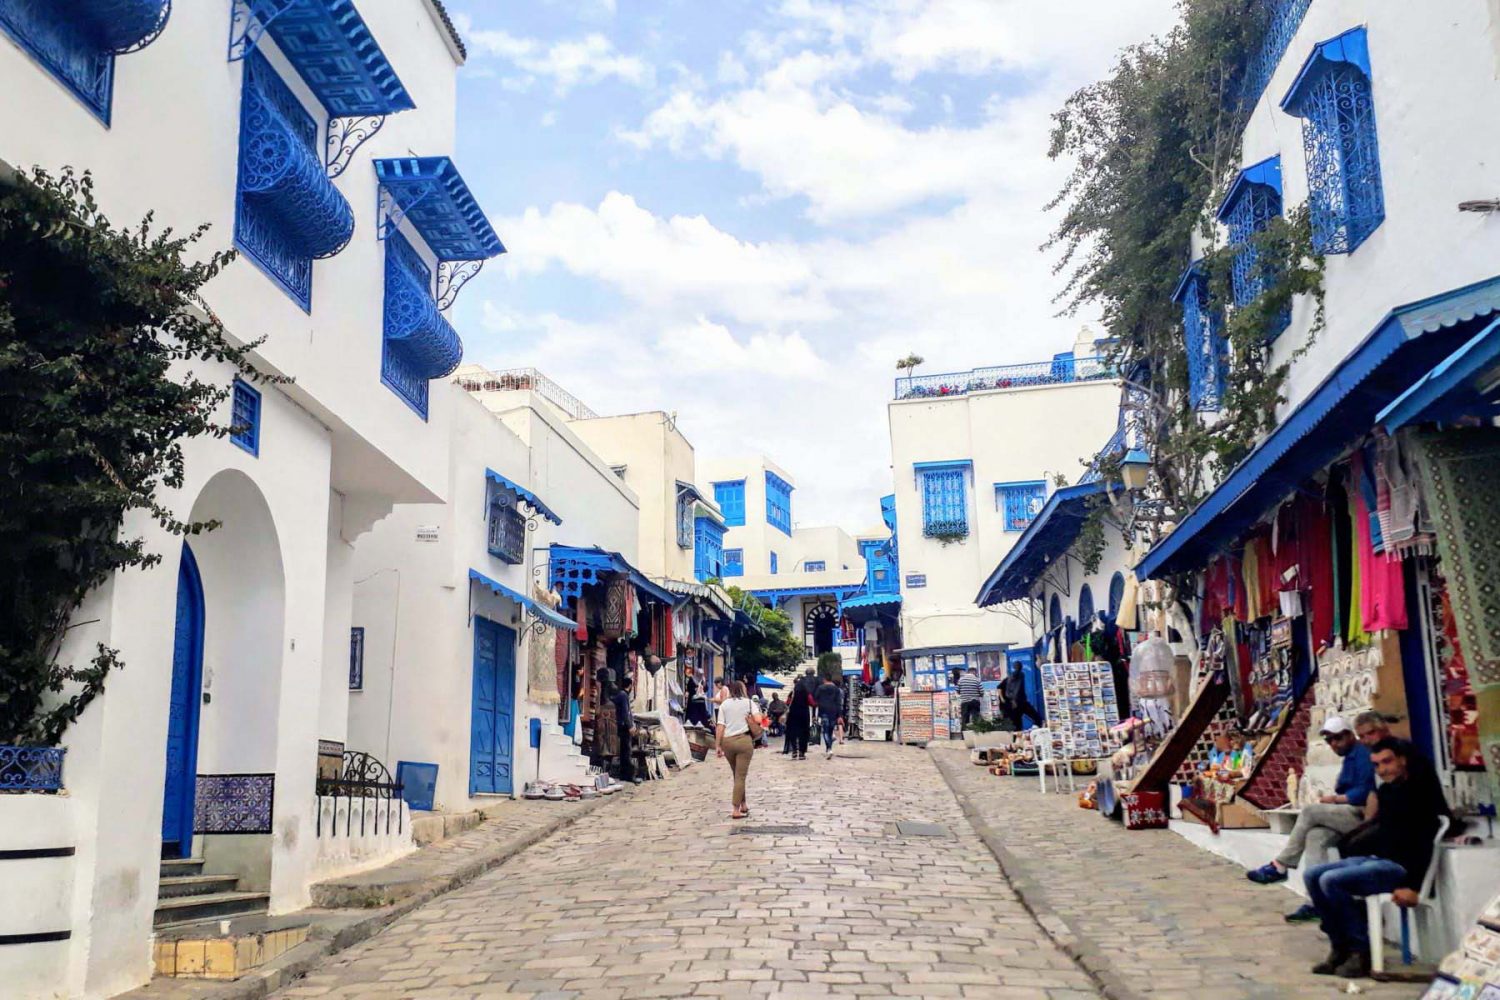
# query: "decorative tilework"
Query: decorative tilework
{"points": [[234, 803]]}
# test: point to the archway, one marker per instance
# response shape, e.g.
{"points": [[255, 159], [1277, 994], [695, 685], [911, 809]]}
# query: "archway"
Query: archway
{"points": [[819, 626]]}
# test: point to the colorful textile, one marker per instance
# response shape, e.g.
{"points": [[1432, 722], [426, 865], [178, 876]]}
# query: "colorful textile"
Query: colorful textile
{"points": [[1461, 483], [1315, 574], [1410, 532], [1250, 573], [1382, 587]]}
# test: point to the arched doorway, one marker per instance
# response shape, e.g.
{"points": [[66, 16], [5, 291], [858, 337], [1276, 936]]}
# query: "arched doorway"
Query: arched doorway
{"points": [[182, 715], [819, 626]]}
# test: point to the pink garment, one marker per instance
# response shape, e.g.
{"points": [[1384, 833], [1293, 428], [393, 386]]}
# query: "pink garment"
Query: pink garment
{"points": [[1382, 592]]}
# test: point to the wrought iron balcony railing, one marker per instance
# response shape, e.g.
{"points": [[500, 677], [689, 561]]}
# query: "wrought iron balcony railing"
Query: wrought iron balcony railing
{"points": [[1054, 372], [479, 380]]}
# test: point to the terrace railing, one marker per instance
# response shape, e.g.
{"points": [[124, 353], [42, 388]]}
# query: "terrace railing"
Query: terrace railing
{"points": [[526, 379], [1054, 372]]}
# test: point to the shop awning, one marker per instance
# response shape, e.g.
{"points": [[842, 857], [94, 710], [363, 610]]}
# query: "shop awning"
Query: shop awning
{"points": [[761, 680], [1046, 539], [1464, 384], [873, 601], [573, 568], [1410, 341], [536, 608], [712, 596], [521, 494], [978, 647]]}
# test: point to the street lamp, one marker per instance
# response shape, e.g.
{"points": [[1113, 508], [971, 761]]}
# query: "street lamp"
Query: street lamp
{"points": [[1134, 469]]}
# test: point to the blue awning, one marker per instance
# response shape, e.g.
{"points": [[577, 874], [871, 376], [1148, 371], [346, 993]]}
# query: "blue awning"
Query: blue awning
{"points": [[437, 202], [537, 608], [573, 568], [1047, 538], [1351, 48], [335, 54], [1410, 341], [761, 680], [873, 601], [1267, 173], [1463, 384], [521, 494]]}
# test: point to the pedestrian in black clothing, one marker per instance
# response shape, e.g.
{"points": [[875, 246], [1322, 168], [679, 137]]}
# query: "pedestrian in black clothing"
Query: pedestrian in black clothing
{"points": [[625, 726], [799, 715], [830, 699], [1013, 703]]}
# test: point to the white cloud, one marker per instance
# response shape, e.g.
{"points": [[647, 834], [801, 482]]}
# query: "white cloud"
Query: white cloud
{"points": [[567, 63], [706, 346]]}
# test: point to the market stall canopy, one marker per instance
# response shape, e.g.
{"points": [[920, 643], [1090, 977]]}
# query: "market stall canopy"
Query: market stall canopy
{"points": [[1404, 348], [713, 597], [1046, 539], [761, 680], [978, 647], [867, 607], [536, 608], [1464, 385], [572, 568]]}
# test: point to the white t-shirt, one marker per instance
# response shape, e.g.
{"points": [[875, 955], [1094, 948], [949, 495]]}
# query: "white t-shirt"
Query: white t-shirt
{"points": [[732, 716]]}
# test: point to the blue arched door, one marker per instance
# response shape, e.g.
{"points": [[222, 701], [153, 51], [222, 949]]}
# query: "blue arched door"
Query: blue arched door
{"points": [[182, 717], [493, 708]]}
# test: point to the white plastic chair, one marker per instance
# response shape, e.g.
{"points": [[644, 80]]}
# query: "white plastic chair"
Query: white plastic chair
{"points": [[1426, 896], [1041, 743]]}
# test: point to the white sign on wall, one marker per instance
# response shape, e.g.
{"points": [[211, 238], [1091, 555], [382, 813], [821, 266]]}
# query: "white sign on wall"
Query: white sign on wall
{"points": [[427, 532]]}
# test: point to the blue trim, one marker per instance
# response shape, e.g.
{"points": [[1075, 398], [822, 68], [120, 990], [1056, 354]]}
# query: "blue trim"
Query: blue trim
{"points": [[492, 709], [778, 503], [1266, 173], [357, 658], [1426, 400], [1345, 406], [1047, 538], [729, 495], [51, 34], [180, 773], [873, 601], [1116, 594], [31, 769], [815, 566], [536, 608], [888, 510], [572, 568], [434, 198], [522, 494], [333, 51], [734, 562], [774, 561], [244, 412], [957, 463], [1015, 501], [837, 593], [708, 549], [1352, 48]]}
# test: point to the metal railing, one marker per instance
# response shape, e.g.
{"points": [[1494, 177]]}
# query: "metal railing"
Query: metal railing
{"points": [[31, 769], [1054, 372], [526, 380], [363, 778]]}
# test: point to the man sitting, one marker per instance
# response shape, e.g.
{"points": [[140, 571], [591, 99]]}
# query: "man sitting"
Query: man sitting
{"points": [[1320, 825], [1389, 852]]}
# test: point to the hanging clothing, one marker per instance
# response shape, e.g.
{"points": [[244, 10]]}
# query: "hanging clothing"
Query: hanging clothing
{"points": [[1250, 575], [1340, 548], [1315, 567], [1382, 590]]}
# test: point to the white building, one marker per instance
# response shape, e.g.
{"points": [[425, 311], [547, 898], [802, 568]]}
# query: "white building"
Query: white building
{"points": [[974, 456], [237, 647]]}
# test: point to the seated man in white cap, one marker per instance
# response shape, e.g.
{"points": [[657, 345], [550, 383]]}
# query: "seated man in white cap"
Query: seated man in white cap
{"points": [[1319, 826]]}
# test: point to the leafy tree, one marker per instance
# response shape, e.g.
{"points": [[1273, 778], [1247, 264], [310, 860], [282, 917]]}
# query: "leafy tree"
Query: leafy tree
{"points": [[768, 644], [99, 326], [831, 667]]}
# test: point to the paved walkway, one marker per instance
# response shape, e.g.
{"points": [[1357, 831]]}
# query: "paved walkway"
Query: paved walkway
{"points": [[1147, 912], [659, 897]]}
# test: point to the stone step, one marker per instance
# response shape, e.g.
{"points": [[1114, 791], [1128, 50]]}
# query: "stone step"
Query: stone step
{"points": [[173, 867], [177, 886], [184, 909]]}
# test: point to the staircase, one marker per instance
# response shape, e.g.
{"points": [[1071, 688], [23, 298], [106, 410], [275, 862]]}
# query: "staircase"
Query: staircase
{"points": [[562, 763], [185, 896]]}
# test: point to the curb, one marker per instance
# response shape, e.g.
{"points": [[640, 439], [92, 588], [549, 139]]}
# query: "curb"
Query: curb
{"points": [[1033, 897]]}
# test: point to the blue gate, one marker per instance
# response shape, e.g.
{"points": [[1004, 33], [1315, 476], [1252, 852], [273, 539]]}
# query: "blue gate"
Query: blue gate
{"points": [[182, 716], [493, 709]]}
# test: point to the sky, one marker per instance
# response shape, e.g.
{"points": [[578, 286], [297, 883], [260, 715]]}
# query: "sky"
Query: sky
{"points": [[746, 211]]}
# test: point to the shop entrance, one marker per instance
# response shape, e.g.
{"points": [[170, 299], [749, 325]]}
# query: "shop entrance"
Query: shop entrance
{"points": [[182, 714], [493, 708]]}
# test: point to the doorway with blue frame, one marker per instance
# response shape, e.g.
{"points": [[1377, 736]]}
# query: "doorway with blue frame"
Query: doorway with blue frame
{"points": [[492, 711]]}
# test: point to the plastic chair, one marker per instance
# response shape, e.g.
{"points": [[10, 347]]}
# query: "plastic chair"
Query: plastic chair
{"points": [[1041, 742], [1426, 896]]}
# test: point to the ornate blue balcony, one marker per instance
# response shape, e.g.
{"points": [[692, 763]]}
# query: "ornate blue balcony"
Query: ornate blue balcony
{"points": [[31, 769], [1057, 371], [412, 322], [121, 26]]}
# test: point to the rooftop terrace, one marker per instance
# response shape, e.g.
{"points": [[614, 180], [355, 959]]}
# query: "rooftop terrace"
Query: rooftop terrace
{"points": [[1062, 368]]}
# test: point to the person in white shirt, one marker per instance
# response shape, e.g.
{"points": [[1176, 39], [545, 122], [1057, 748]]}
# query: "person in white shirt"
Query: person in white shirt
{"points": [[735, 740]]}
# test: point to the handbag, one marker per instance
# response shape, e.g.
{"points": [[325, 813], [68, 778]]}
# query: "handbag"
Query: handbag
{"points": [[753, 724]]}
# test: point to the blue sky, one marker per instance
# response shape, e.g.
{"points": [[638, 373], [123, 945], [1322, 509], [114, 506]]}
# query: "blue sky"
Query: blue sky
{"points": [[745, 212]]}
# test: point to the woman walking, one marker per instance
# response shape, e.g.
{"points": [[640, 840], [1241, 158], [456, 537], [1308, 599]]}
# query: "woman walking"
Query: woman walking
{"points": [[736, 734]]}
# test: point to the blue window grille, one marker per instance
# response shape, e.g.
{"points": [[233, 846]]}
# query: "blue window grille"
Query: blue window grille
{"points": [[734, 562], [815, 566], [775, 564], [31, 769], [1282, 18], [408, 355], [1020, 503], [1332, 96], [730, 496], [287, 211], [1116, 594], [357, 658], [708, 549], [945, 512], [1206, 346], [77, 42], [1253, 201], [244, 417], [1085, 604], [685, 527], [778, 502], [507, 530]]}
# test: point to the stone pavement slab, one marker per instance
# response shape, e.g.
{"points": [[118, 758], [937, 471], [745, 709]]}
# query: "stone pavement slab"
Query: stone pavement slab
{"points": [[1144, 910], [655, 898]]}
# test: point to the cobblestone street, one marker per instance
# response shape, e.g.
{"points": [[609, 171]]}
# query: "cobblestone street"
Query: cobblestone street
{"points": [[654, 897]]}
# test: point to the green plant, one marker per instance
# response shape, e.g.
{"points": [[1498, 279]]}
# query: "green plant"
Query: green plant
{"points": [[99, 330], [767, 645], [831, 667]]}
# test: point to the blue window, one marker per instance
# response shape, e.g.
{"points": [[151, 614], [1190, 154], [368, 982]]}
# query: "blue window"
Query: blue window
{"points": [[1254, 200], [1116, 594], [507, 529], [419, 344], [77, 42], [1332, 96], [778, 502], [730, 496], [244, 417], [944, 490], [774, 563], [1207, 347], [1020, 503], [1085, 604], [816, 566], [686, 530], [1282, 18], [1054, 613], [734, 562], [357, 658], [708, 549]]}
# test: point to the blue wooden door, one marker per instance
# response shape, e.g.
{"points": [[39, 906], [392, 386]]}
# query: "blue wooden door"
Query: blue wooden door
{"points": [[493, 708], [182, 717]]}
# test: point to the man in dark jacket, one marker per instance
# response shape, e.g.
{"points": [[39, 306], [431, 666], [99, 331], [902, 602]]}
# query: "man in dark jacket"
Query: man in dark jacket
{"points": [[830, 699], [799, 714], [1389, 852], [625, 725], [1013, 702]]}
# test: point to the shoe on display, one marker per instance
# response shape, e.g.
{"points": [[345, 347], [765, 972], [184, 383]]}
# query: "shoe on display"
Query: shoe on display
{"points": [[572, 792], [1266, 874], [1304, 914], [1330, 965]]}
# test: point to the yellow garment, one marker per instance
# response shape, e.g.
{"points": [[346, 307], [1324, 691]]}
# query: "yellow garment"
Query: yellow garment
{"points": [[1126, 616], [1357, 634], [1250, 574]]}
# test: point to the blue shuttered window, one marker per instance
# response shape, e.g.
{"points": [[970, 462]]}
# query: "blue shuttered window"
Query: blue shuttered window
{"points": [[685, 529], [507, 530], [775, 564], [398, 370], [1253, 202], [1207, 347], [244, 417], [1054, 613], [817, 566], [1085, 604], [778, 502], [77, 40], [1116, 594], [730, 496], [357, 659], [1281, 19], [734, 562], [1020, 503], [945, 511], [708, 550]]}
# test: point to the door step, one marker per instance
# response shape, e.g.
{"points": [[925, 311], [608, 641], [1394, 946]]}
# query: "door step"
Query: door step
{"points": [[173, 867], [209, 906], [225, 949], [178, 886]]}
